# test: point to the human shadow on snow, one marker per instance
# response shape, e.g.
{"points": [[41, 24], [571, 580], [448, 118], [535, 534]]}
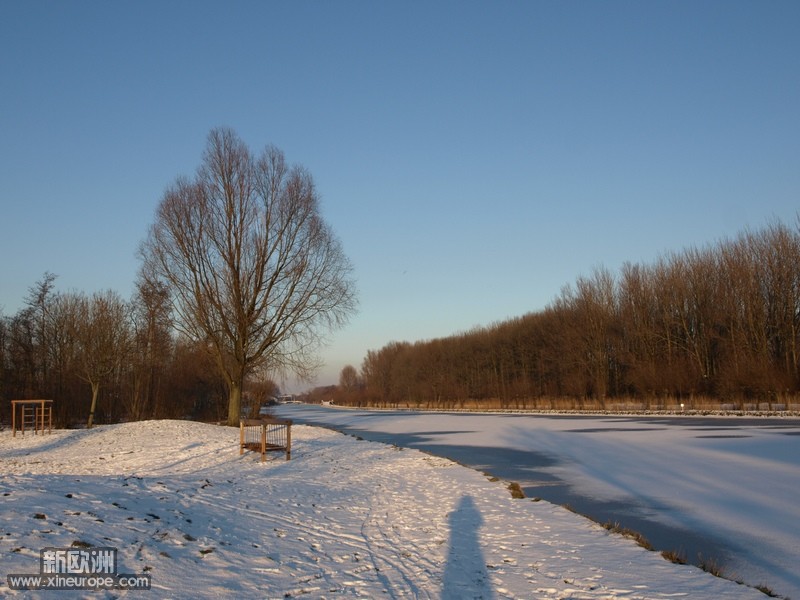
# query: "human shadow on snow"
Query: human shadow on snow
{"points": [[465, 574]]}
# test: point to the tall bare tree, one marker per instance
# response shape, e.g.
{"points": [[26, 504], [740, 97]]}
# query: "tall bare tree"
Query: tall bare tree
{"points": [[39, 299], [348, 378], [152, 346], [101, 329], [252, 266]]}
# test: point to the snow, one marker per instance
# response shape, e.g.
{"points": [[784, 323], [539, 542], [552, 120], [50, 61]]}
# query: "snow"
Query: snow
{"points": [[344, 518], [733, 480]]}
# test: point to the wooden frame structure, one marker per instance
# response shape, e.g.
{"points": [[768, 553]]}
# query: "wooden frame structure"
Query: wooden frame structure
{"points": [[265, 435], [33, 415]]}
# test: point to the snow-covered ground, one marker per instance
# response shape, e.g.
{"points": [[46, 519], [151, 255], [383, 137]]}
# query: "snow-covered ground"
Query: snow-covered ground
{"points": [[734, 481], [343, 518]]}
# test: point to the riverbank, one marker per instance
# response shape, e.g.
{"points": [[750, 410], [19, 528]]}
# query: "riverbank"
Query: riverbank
{"points": [[790, 412], [343, 518], [713, 489]]}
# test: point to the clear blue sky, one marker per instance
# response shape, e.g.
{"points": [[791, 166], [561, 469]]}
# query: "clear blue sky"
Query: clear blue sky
{"points": [[473, 157]]}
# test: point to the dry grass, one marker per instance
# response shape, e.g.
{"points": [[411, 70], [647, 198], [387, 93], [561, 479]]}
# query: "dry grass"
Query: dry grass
{"points": [[785, 404], [766, 590], [709, 565], [629, 533], [516, 490], [674, 556]]}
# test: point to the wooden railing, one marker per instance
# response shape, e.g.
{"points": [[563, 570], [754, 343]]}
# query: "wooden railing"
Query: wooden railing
{"points": [[265, 435]]}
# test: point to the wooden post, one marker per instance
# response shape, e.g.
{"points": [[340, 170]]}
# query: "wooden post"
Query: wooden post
{"points": [[263, 442], [288, 441], [41, 411], [241, 438]]}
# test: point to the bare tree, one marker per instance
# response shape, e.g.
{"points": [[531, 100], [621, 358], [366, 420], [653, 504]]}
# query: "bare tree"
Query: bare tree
{"points": [[348, 378], [39, 298], [252, 267], [102, 332], [152, 345]]}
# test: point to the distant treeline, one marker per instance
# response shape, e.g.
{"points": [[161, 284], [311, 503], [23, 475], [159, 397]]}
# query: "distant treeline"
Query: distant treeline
{"points": [[717, 322], [122, 356]]}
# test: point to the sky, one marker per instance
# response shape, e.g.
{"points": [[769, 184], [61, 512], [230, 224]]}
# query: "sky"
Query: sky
{"points": [[472, 157]]}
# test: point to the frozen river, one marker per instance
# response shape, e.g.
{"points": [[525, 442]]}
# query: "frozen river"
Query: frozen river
{"points": [[721, 490]]}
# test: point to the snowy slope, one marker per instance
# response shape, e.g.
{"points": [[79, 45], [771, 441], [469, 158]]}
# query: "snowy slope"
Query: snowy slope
{"points": [[343, 518]]}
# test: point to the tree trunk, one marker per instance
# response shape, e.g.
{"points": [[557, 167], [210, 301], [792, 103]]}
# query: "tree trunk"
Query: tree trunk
{"points": [[95, 393], [234, 403]]}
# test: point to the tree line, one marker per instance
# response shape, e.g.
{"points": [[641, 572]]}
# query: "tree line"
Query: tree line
{"points": [[720, 322], [104, 359]]}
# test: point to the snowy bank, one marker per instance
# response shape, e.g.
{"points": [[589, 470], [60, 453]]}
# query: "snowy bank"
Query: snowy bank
{"points": [[719, 490], [343, 518]]}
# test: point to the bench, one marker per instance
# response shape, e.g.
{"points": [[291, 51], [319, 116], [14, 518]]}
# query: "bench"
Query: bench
{"points": [[265, 435]]}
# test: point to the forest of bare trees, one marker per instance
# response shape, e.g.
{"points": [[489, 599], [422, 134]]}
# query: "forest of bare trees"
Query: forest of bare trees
{"points": [[720, 322], [103, 359]]}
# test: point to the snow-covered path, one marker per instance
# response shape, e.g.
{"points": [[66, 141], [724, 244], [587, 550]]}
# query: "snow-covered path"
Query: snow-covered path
{"points": [[343, 518]]}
